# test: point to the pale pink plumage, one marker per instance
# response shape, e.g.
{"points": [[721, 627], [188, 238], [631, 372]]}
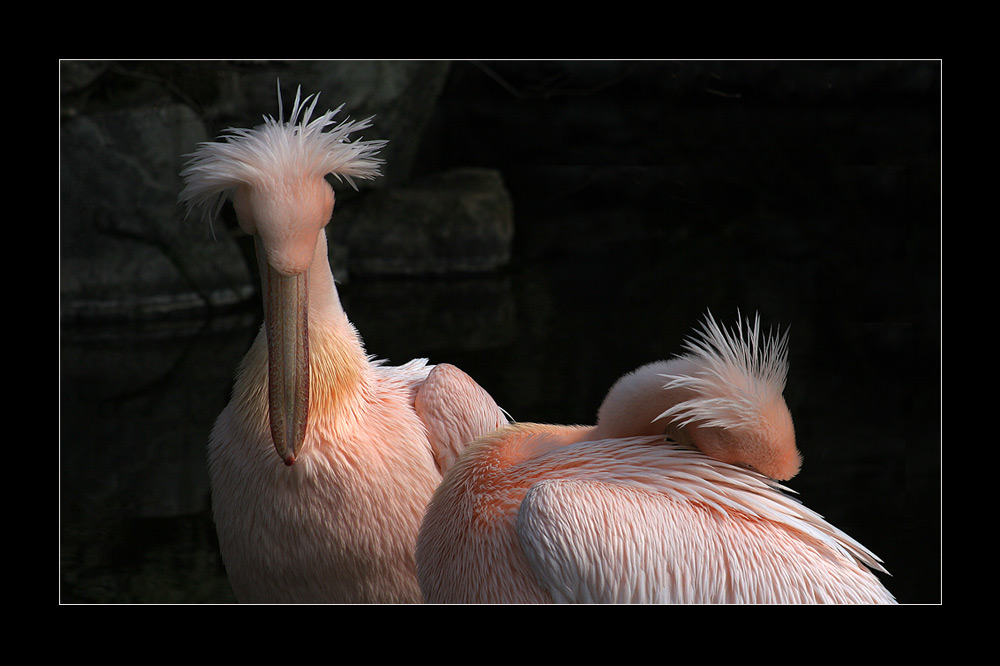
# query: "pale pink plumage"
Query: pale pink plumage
{"points": [[630, 511], [360, 445]]}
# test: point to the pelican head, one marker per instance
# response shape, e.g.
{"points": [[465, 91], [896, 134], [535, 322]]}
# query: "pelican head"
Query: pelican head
{"points": [[724, 397], [276, 175], [733, 408]]}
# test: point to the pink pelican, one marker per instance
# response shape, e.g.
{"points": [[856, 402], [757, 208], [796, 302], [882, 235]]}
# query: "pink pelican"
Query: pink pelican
{"points": [[361, 446], [668, 499]]}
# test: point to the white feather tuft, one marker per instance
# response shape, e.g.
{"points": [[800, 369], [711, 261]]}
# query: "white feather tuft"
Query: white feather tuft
{"points": [[269, 153], [735, 374]]}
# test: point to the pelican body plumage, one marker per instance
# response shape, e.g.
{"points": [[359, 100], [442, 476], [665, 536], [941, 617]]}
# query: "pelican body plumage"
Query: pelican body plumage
{"points": [[672, 497], [323, 461]]}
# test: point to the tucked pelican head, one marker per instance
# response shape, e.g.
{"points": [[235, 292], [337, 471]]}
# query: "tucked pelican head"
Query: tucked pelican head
{"points": [[724, 396], [276, 173], [733, 408]]}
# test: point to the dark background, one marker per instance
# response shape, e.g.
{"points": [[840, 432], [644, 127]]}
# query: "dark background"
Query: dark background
{"points": [[645, 194]]}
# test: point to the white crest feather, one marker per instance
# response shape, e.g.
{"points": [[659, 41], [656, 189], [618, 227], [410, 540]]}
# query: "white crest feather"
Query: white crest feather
{"points": [[737, 372], [258, 156]]}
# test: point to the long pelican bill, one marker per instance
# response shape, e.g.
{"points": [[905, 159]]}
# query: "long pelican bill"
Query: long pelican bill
{"points": [[286, 323]]}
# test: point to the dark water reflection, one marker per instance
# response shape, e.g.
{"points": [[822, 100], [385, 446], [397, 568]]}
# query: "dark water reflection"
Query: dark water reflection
{"points": [[546, 339]]}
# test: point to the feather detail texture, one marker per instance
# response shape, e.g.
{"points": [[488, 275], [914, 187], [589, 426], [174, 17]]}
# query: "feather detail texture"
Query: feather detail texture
{"points": [[257, 157], [735, 373]]}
